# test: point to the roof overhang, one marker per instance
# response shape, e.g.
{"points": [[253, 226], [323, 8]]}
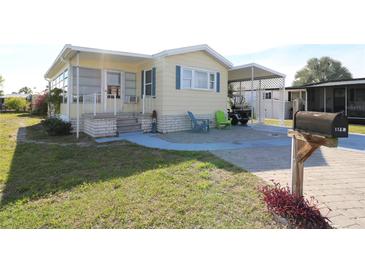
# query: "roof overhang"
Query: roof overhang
{"points": [[338, 83], [244, 73], [69, 51]]}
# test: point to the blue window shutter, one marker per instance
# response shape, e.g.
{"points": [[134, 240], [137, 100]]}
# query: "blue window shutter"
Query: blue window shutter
{"points": [[142, 83], [218, 82], [178, 75], [153, 82]]}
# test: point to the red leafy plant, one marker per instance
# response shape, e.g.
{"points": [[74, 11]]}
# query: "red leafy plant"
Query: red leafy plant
{"points": [[297, 210], [40, 106]]}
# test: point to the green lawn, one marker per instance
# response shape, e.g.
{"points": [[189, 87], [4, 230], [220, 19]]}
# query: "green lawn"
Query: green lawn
{"points": [[118, 185], [289, 123]]}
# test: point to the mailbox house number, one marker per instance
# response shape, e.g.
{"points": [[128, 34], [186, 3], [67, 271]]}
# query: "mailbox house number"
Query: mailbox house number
{"points": [[340, 129]]}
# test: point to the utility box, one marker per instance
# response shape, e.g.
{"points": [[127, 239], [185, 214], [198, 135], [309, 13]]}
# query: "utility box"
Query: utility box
{"points": [[332, 125]]}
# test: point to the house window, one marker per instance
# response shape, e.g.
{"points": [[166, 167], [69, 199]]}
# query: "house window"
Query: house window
{"points": [[130, 84], [187, 78], [198, 79], [148, 82], [211, 80], [267, 95]]}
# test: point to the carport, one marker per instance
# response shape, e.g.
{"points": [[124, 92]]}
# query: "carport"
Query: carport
{"points": [[251, 81]]}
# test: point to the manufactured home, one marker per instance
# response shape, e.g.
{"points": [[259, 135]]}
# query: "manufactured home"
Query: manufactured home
{"points": [[108, 92]]}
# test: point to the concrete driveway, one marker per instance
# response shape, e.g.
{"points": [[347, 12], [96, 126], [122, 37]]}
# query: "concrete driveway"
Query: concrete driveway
{"points": [[334, 176]]}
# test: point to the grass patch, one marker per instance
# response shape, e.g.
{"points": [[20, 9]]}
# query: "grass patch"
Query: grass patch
{"points": [[357, 129], [277, 122], [119, 185]]}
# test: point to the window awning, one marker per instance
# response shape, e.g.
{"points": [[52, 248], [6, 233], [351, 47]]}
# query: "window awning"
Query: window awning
{"points": [[244, 73]]}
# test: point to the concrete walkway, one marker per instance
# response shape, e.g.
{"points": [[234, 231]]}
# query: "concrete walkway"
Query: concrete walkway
{"points": [[334, 176], [155, 141]]}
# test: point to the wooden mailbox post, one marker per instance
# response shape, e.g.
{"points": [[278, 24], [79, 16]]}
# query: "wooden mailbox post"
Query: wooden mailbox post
{"points": [[310, 131]]}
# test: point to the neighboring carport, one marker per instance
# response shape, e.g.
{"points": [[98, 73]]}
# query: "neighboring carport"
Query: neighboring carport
{"points": [[251, 81]]}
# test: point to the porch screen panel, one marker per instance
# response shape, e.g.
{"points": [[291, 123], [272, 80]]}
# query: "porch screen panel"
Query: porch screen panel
{"points": [[316, 99], [356, 102], [89, 79]]}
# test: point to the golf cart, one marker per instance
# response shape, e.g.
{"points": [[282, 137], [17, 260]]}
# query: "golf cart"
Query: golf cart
{"points": [[240, 111]]}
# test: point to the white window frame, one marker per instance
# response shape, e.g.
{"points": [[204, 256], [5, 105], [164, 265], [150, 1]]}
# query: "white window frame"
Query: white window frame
{"points": [[209, 72], [190, 79], [145, 83]]}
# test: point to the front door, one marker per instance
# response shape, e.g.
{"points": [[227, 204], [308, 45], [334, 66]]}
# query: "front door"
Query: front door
{"points": [[114, 91]]}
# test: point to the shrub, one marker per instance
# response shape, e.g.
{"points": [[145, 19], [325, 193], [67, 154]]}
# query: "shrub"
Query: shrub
{"points": [[56, 126], [55, 99], [17, 104], [40, 106], [299, 211]]}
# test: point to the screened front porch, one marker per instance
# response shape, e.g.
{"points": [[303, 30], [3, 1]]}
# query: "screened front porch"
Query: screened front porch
{"points": [[98, 81]]}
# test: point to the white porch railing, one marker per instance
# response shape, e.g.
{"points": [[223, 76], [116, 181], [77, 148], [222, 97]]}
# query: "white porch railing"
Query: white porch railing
{"points": [[96, 103], [91, 103]]}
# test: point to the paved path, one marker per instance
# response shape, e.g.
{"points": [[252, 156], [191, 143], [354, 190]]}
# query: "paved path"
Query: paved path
{"points": [[334, 176]]}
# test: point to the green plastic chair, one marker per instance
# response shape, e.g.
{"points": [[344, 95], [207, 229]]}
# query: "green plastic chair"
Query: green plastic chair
{"points": [[221, 120]]}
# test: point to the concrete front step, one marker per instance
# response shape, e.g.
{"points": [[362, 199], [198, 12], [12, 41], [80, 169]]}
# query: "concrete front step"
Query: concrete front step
{"points": [[127, 121], [129, 128]]}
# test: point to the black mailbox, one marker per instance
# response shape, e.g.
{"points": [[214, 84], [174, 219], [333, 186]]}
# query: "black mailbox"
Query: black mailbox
{"points": [[327, 124]]}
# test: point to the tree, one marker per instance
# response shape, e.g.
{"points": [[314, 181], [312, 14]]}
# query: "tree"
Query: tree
{"points": [[25, 90], [2, 80], [323, 69], [17, 104]]}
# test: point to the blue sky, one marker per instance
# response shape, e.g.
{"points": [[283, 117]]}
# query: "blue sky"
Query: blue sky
{"points": [[280, 35], [289, 59], [25, 65]]}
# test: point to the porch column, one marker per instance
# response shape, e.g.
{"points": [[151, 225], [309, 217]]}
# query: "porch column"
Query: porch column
{"points": [[260, 102], [252, 108], [144, 92], [78, 95], [283, 104], [69, 89], [103, 95], [122, 90]]}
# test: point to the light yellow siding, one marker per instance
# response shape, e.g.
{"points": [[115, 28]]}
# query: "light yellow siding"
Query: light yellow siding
{"points": [[198, 101], [168, 101]]}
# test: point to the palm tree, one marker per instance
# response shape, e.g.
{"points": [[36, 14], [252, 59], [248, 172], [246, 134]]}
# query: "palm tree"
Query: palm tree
{"points": [[319, 70]]}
